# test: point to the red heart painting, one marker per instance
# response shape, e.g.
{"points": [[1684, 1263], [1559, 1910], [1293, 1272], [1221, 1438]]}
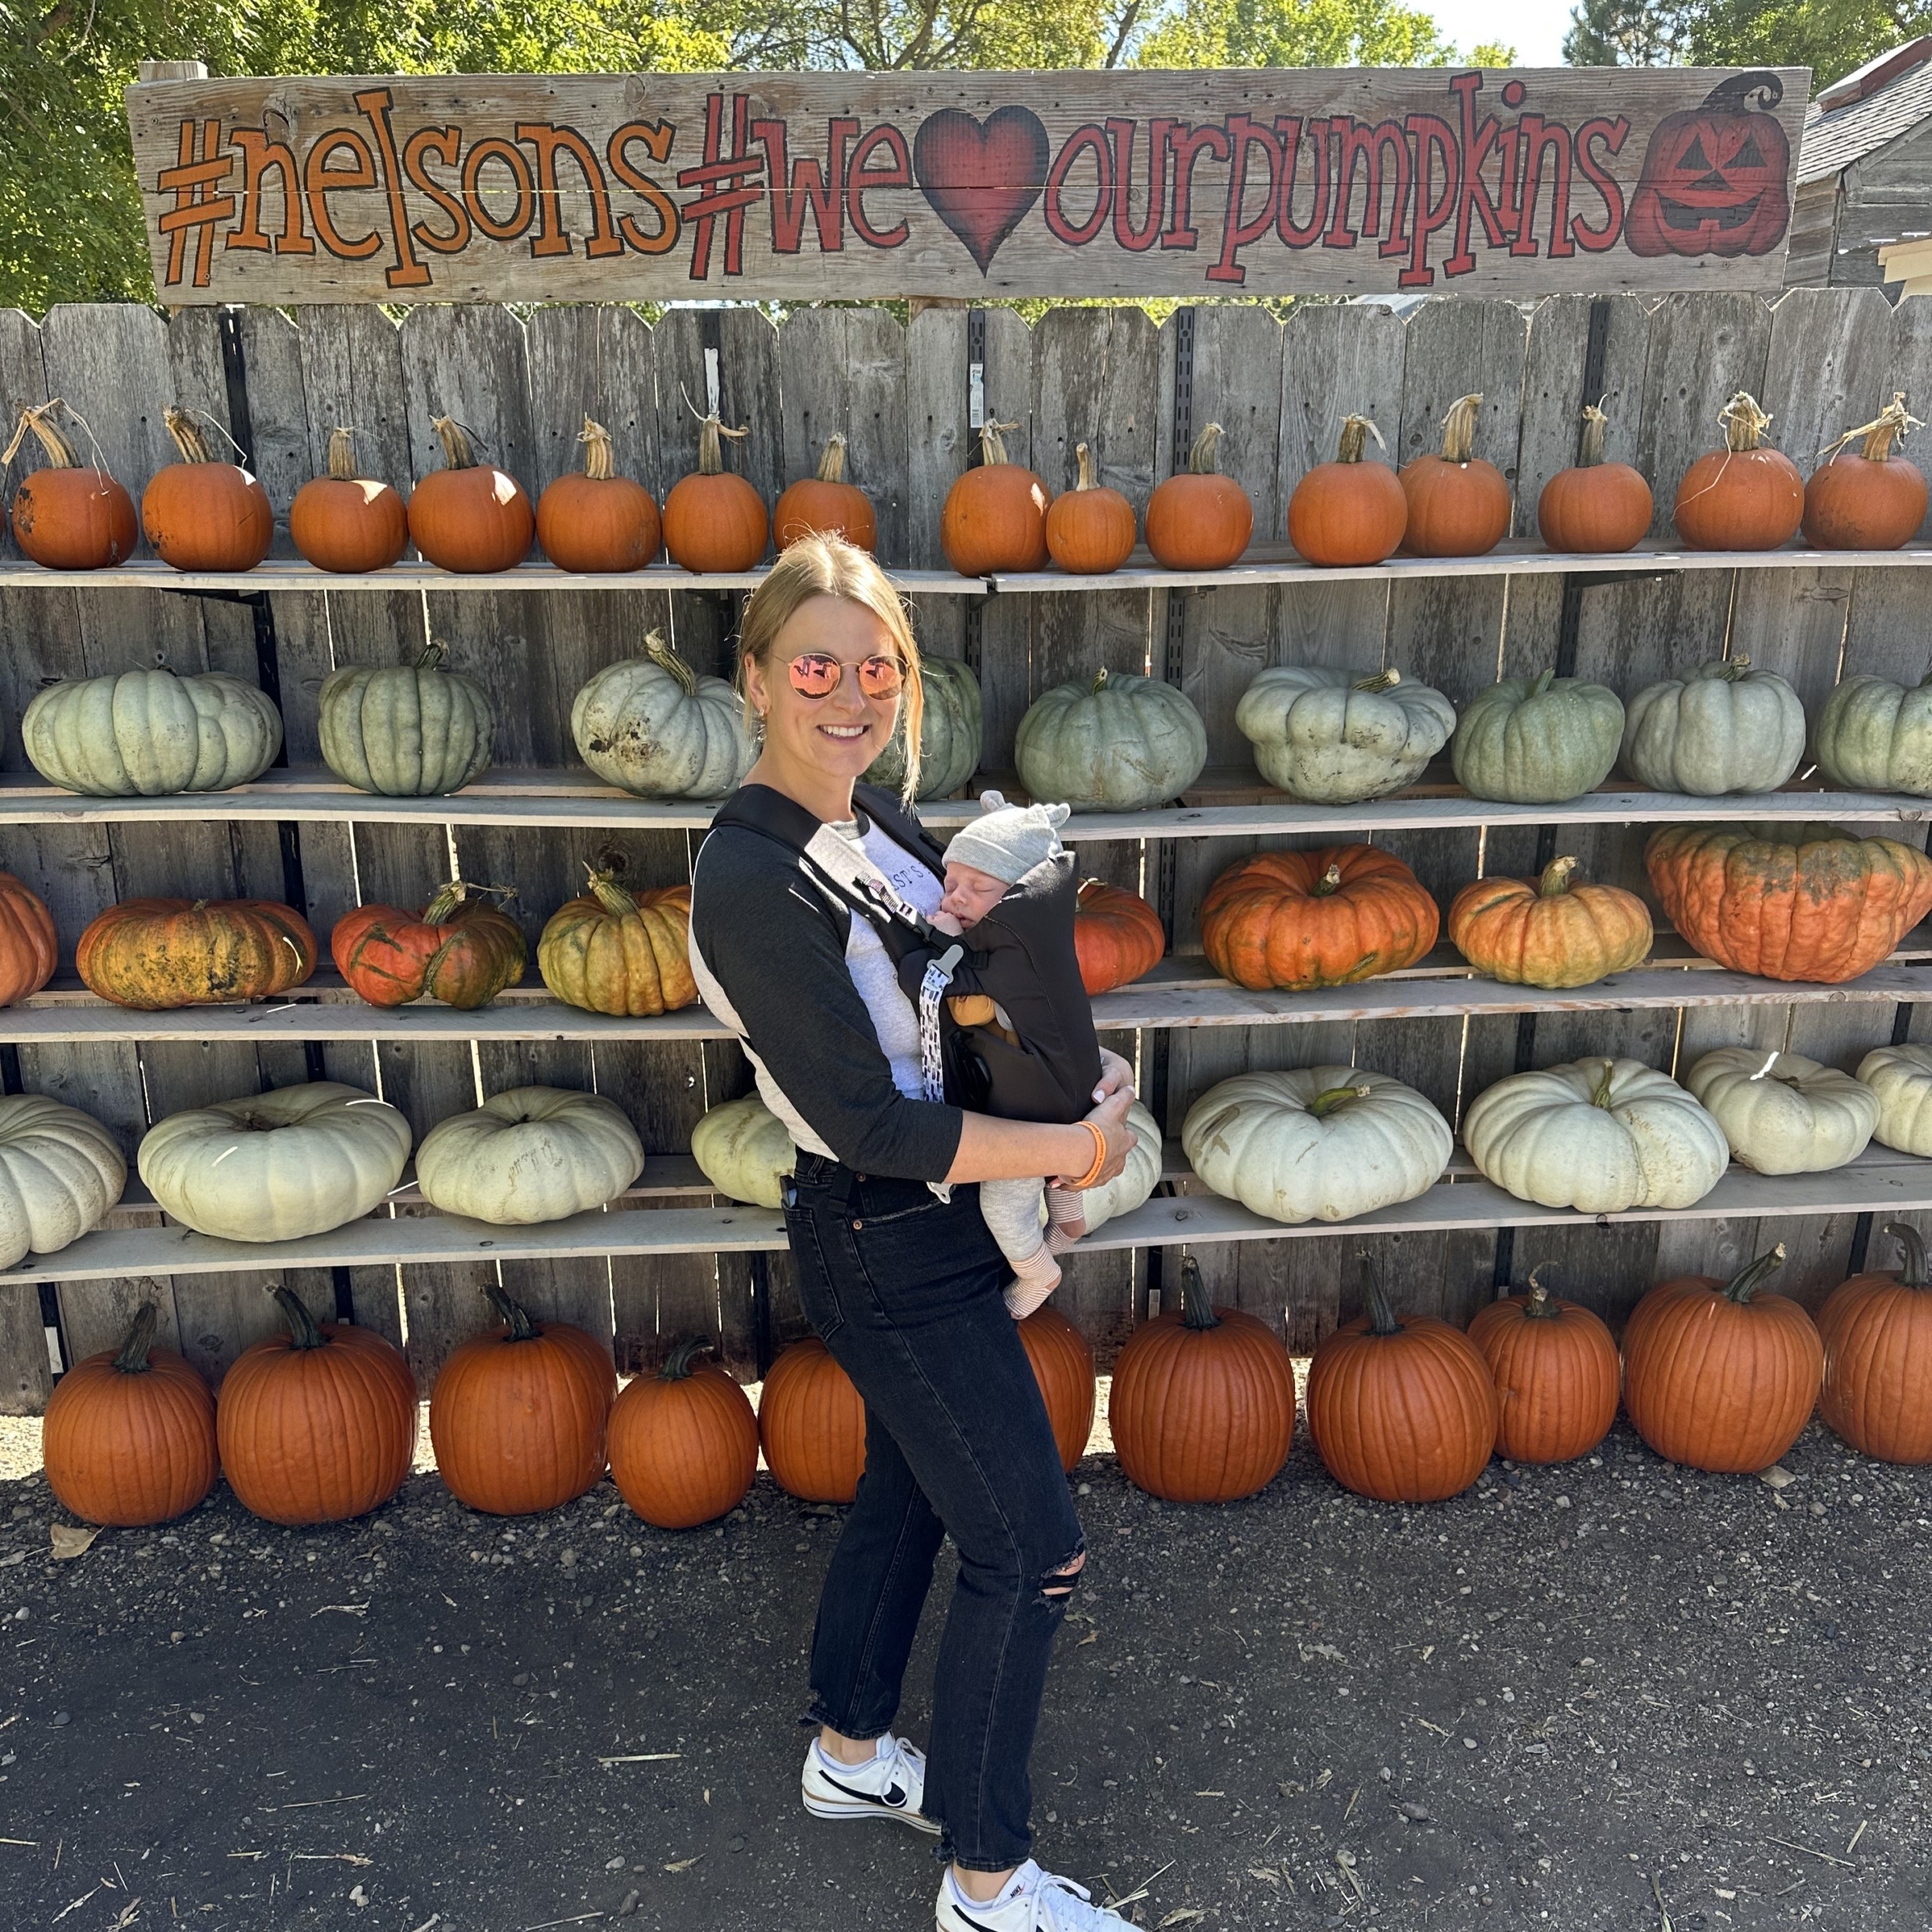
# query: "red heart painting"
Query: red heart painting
{"points": [[981, 177]]}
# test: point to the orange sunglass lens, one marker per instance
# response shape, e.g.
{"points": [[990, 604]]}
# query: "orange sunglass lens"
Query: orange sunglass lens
{"points": [[815, 674], [879, 677]]}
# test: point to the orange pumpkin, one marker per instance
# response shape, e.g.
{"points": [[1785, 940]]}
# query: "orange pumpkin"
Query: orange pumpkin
{"points": [[461, 951], [1459, 505], [517, 1413], [1716, 1377], [596, 520], [346, 522], [1117, 935], [715, 522], [1300, 920], [826, 505], [1090, 528], [469, 517], [1556, 1370], [995, 517], [28, 950], [623, 953], [811, 1425], [156, 954], [683, 1442], [129, 1434], [1349, 511], [200, 515], [1198, 519], [66, 517], [1596, 509], [1867, 499], [1744, 497], [1877, 1331], [1063, 1366], [1553, 931]]}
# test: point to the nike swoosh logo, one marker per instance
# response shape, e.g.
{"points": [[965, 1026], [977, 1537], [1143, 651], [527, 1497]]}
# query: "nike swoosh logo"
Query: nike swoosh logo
{"points": [[895, 1798], [977, 1925]]}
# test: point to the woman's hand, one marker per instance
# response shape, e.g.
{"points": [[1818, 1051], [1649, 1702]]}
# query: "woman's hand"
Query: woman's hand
{"points": [[1110, 1117], [1115, 1075]]}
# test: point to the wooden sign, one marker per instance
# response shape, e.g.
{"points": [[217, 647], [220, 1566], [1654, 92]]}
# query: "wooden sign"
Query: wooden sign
{"points": [[1262, 182]]}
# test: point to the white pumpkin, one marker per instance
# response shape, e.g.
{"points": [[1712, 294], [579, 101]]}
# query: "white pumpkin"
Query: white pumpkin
{"points": [[655, 727], [1901, 1077], [60, 1171], [150, 733], [1724, 729], [276, 1166], [1136, 1182], [1320, 1143], [1336, 737], [1599, 1135], [1782, 1113], [529, 1154], [745, 1150]]}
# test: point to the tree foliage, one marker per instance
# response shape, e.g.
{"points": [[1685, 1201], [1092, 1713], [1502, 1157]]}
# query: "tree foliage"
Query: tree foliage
{"points": [[1831, 37]]}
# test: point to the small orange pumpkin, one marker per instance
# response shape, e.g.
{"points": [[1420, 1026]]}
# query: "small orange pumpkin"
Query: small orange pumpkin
{"points": [[1555, 1369], [595, 519], [1744, 497], [826, 505], [346, 522], [1063, 1366], [683, 1442], [1349, 511], [469, 517], [1876, 1330], [66, 517], [1868, 499], [1198, 519], [995, 517], [201, 515], [28, 949], [1459, 505], [811, 1425], [715, 522], [1596, 509], [1117, 935], [1090, 528], [1554, 931]]}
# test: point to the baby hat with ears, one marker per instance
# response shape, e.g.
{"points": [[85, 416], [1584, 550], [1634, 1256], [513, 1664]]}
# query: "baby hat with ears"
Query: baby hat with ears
{"points": [[1009, 840]]}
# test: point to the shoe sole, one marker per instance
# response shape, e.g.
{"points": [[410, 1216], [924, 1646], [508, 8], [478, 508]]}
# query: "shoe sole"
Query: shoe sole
{"points": [[822, 1807]]}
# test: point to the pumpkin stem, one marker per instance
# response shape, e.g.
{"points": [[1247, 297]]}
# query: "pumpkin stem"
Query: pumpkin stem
{"points": [[1325, 1104], [1912, 1272], [832, 464], [1381, 1319], [189, 437], [1539, 1307], [342, 454], [515, 1315], [1600, 1095], [1589, 451], [667, 659], [678, 1365], [1330, 881], [596, 441], [1197, 1309], [447, 897], [1741, 1286], [1084, 457], [1459, 428], [432, 653], [609, 894], [455, 438], [992, 441], [1383, 680], [1101, 680], [1555, 880], [1888, 426], [59, 451], [1200, 457], [1544, 680], [1356, 431], [303, 1331], [1735, 670], [1744, 423], [133, 1359]]}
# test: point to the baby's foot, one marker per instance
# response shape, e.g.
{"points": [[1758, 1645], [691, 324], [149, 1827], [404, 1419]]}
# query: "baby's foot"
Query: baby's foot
{"points": [[1035, 1277], [1066, 1212]]}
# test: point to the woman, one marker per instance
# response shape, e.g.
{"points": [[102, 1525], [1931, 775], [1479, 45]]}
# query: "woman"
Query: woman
{"points": [[797, 904]]}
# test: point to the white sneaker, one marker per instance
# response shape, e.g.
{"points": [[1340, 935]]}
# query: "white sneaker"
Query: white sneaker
{"points": [[890, 1784], [1033, 1901]]}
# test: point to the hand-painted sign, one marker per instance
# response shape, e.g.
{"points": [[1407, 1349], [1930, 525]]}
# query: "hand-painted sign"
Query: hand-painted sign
{"points": [[649, 186]]}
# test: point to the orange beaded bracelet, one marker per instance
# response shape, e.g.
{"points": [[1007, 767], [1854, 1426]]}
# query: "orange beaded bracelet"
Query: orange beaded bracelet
{"points": [[1093, 1174]]}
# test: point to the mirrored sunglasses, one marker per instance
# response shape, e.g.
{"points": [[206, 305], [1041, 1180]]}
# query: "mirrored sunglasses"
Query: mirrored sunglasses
{"points": [[817, 675]]}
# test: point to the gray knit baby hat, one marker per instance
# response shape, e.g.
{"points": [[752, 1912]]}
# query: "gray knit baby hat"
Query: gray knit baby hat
{"points": [[1009, 840]]}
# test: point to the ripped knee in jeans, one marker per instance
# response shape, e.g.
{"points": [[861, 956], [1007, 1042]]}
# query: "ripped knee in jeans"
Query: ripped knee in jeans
{"points": [[1057, 1586]]}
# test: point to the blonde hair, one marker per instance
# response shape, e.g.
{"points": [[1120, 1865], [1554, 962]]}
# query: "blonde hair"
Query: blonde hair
{"points": [[829, 567]]}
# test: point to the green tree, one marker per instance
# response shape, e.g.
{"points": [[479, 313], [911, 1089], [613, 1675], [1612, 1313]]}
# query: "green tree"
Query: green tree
{"points": [[1294, 33], [1628, 33], [1831, 37]]}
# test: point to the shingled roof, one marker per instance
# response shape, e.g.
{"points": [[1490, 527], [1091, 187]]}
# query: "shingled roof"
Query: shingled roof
{"points": [[1841, 131]]}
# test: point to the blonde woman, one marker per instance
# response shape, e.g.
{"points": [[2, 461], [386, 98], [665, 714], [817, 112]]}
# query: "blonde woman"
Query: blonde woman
{"points": [[805, 894]]}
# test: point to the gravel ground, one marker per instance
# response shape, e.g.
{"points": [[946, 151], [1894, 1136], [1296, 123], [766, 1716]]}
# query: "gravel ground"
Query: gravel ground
{"points": [[1616, 1695]]}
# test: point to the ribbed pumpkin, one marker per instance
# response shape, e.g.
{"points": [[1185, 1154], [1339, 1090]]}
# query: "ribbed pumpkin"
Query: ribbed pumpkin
{"points": [[1744, 497], [1718, 1378], [1117, 935], [1554, 931], [1726, 728], [517, 1414], [344, 522], [1866, 499], [29, 950], [1877, 1332], [1327, 917], [1556, 1370], [60, 1171], [594, 519], [1090, 529], [1132, 1187], [653, 726], [1198, 519], [714, 521], [318, 1425], [408, 731], [1063, 1366], [1203, 1405], [826, 505], [1336, 736], [1875, 736], [1348, 512], [811, 1425], [1401, 1407], [67, 517], [950, 732], [1796, 902], [1595, 508], [1901, 1077], [201, 515], [995, 517], [469, 517], [150, 733], [461, 951], [1782, 1113], [684, 1442], [1121, 743], [529, 1154], [157, 953], [1537, 741], [128, 1438], [1459, 505], [623, 953], [744, 1150]]}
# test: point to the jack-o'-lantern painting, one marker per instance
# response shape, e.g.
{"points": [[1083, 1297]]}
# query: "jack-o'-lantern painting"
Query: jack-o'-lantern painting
{"points": [[1716, 177]]}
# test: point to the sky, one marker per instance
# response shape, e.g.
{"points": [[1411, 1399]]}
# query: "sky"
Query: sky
{"points": [[1535, 28]]}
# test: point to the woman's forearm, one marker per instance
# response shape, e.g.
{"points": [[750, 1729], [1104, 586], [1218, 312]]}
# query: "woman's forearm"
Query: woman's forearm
{"points": [[992, 1150]]}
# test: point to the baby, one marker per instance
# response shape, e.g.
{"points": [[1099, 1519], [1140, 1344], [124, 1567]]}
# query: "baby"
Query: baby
{"points": [[1027, 1051]]}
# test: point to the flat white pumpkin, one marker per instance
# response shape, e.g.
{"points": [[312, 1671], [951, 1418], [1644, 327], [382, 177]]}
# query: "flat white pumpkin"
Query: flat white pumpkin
{"points": [[1782, 1113], [1901, 1077], [529, 1154], [1132, 1187], [276, 1166], [1319, 1143], [655, 727], [1337, 736], [1599, 1135], [60, 1171], [744, 1150]]}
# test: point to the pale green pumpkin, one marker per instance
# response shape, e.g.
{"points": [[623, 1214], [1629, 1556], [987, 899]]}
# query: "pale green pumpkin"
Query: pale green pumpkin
{"points": [[743, 1149], [406, 731], [1119, 743], [1725, 727], [1875, 736], [1336, 737], [1537, 741], [653, 726], [147, 734], [950, 733]]}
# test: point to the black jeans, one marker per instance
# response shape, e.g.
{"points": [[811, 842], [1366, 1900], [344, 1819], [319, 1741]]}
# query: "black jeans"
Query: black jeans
{"points": [[905, 1290]]}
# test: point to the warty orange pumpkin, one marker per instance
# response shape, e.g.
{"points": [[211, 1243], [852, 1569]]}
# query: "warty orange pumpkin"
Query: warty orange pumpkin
{"points": [[683, 1442]]}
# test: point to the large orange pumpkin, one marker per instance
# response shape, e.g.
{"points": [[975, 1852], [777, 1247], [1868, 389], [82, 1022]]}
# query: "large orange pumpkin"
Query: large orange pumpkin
{"points": [[461, 951], [1117, 935], [713, 521], [595, 519], [1876, 1330], [1716, 1377], [1203, 1407], [347, 523], [1744, 497], [318, 1425], [1459, 505], [826, 505], [1867, 499], [1802, 902], [66, 517], [201, 515], [1063, 1366], [1349, 511], [156, 954], [811, 1425], [28, 949], [624, 953], [1595, 508], [1556, 1370], [683, 1442], [129, 1435], [1552, 931], [1198, 519], [995, 517], [1090, 529], [1401, 1407], [469, 517], [517, 1414], [1299, 920]]}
